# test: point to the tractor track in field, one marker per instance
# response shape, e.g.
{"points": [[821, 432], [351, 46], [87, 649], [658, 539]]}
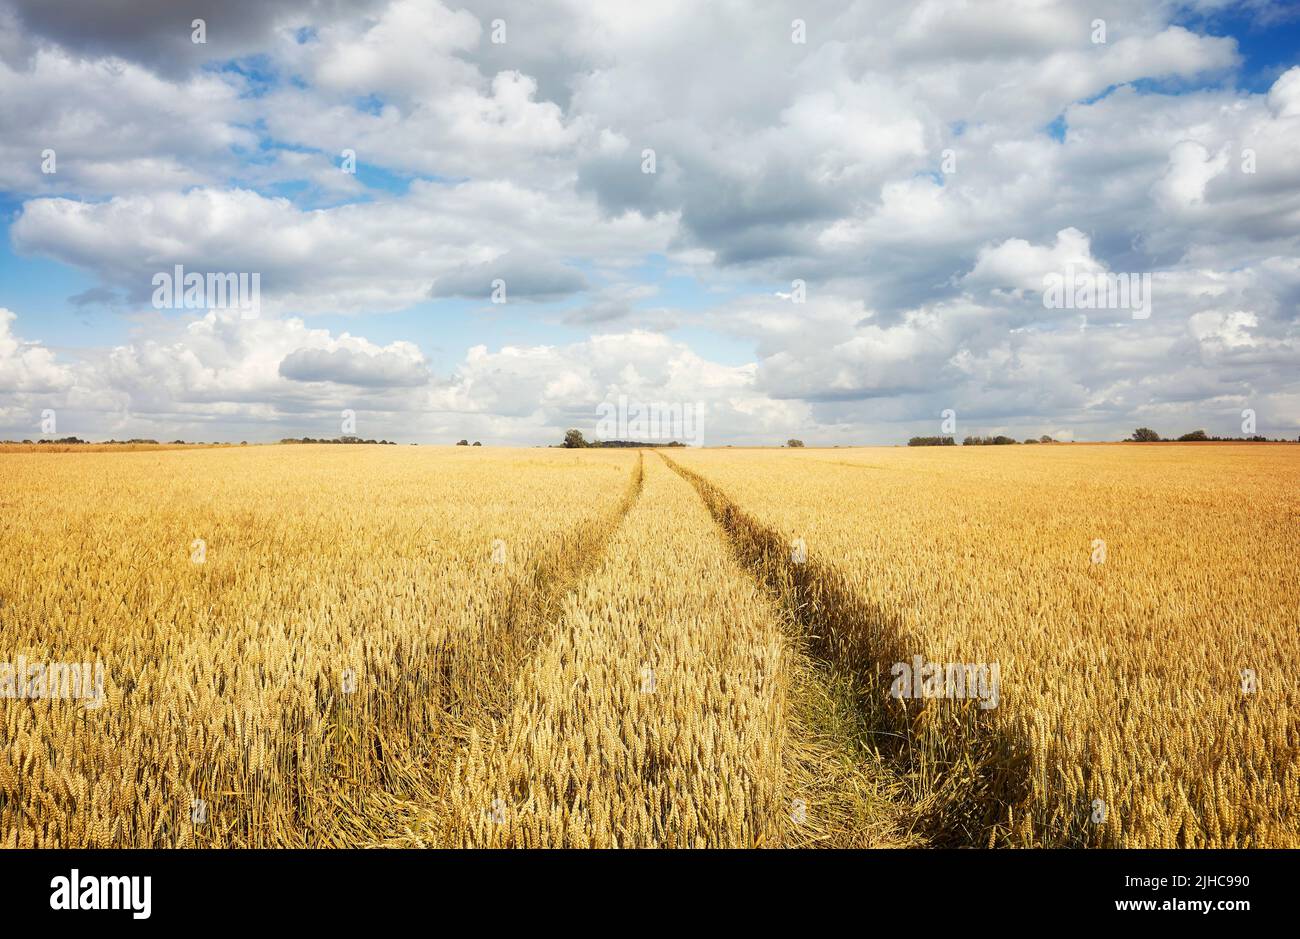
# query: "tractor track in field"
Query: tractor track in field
{"points": [[835, 794], [961, 805], [384, 818]]}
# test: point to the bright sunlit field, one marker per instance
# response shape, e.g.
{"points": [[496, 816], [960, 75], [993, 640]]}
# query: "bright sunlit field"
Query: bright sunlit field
{"points": [[1062, 645]]}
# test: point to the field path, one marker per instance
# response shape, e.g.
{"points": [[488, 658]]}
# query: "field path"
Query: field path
{"points": [[946, 801], [482, 670], [860, 796], [667, 708]]}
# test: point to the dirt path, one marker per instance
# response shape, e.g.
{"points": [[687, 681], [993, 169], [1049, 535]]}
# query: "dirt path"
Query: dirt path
{"points": [[856, 797], [671, 704], [486, 670]]}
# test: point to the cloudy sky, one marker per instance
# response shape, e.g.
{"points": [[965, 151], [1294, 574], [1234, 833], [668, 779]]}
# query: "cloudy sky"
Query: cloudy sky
{"points": [[852, 210]]}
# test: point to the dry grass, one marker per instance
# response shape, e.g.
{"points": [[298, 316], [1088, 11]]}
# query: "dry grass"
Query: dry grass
{"points": [[105, 447], [659, 714], [224, 680], [1121, 681], [511, 704]]}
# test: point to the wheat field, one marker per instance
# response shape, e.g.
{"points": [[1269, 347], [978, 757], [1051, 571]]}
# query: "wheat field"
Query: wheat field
{"points": [[1141, 603], [399, 646]]}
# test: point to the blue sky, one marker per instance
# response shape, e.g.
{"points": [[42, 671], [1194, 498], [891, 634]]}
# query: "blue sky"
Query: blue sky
{"points": [[799, 262]]}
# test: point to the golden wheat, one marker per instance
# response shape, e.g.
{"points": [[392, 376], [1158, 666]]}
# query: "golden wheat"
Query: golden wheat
{"points": [[379, 645], [1141, 603], [344, 607], [654, 715]]}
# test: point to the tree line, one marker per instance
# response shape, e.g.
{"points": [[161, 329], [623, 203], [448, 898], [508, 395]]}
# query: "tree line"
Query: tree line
{"points": [[1141, 435], [574, 440], [1147, 435], [997, 441]]}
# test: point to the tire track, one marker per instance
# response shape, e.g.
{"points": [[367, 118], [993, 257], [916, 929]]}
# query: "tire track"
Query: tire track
{"points": [[958, 796], [655, 714], [483, 672]]}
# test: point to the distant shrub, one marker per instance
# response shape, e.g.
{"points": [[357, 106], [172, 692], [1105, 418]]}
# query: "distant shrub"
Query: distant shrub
{"points": [[932, 442]]}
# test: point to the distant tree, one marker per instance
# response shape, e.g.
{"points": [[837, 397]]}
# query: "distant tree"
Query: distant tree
{"points": [[931, 442], [1145, 435], [794, 443], [1194, 435], [574, 440], [477, 444], [1030, 440], [1046, 439], [462, 443]]}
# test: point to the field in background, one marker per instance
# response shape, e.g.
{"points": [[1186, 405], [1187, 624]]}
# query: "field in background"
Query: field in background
{"points": [[11, 447], [345, 614], [1141, 603], [389, 645]]}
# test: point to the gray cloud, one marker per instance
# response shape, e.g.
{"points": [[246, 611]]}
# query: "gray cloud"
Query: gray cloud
{"points": [[95, 296], [351, 367], [775, 161], [157, 33], [525, 278]]}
